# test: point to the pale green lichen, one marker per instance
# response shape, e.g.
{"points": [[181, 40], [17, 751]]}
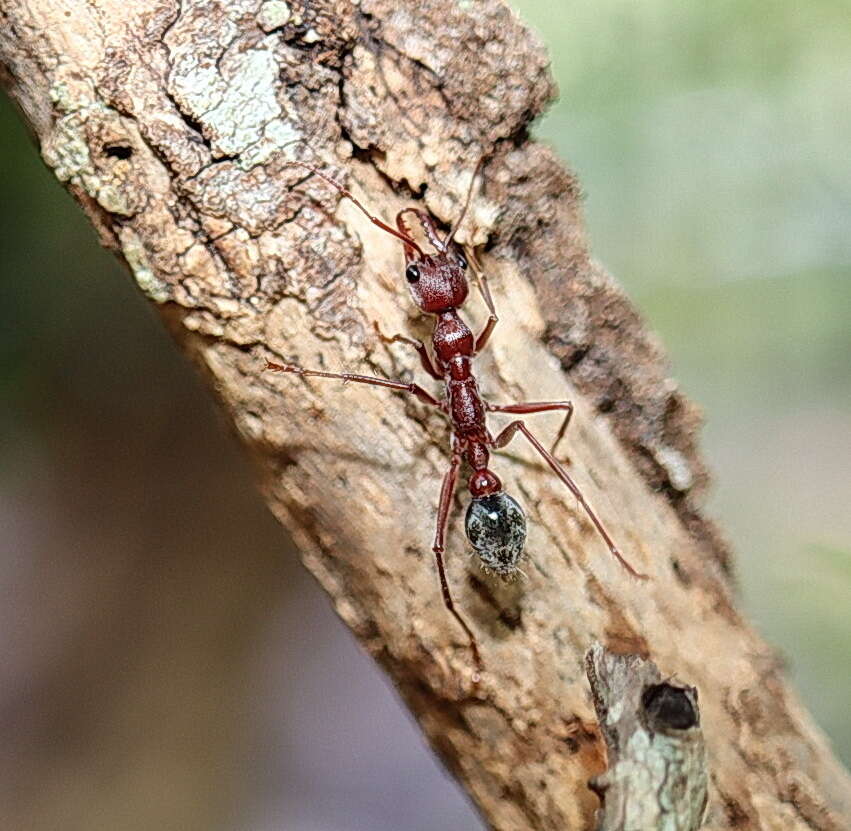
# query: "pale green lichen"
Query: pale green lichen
{"points": [[70, 97], [67, 152], [280, 132], [273, 14], [241, 109], [113, 198], [137, 258], [662, 769], [657, 776]]}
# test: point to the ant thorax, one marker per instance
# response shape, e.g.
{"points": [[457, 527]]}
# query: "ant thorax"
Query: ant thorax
{"points": [[452, 337]]}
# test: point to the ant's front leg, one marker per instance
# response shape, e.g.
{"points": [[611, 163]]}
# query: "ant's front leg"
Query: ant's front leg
{"points": [[518, 426], [530, 407], [425, 358], [414, 389], [485, 336], [484, 290]]}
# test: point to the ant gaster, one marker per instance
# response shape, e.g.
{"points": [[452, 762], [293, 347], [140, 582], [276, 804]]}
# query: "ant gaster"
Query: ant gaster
{"points": [[495, 523]]}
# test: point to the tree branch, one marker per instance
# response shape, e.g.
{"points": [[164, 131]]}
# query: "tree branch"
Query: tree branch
{"points": [[172, 123]]}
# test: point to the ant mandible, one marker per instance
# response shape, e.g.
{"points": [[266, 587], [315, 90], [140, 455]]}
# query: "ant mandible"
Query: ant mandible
{"points": [[495, 523]]}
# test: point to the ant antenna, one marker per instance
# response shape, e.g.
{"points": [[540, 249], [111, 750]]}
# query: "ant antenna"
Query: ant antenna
{"points": [[347, 194], [482, 283], [457, 224]]}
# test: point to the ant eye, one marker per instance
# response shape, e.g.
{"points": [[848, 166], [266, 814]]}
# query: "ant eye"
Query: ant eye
{"points": [[462, 261], [412, 273]]}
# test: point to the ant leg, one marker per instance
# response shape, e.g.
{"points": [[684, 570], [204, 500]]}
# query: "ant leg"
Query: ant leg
{"points": [[447, 489], [485, 336], [530, 407], [425, 358], [414, 389], [562, 430], [346, 193], [508, 434], [482, 283]]}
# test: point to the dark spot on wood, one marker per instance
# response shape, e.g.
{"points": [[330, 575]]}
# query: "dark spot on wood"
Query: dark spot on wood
{"points": [[598, 787], [512, 618], [680, 573], [667, 706], [736, 815], [118, 151], [482, 590], [580, 734], [575, 357], [191, 122]]}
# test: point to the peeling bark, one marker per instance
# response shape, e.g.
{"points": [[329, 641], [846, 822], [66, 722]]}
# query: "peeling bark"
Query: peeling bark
{"points": [[172, 122]]}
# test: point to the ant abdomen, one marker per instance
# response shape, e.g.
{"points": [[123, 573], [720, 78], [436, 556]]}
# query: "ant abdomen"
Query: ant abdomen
{"points": [[496, 528]]}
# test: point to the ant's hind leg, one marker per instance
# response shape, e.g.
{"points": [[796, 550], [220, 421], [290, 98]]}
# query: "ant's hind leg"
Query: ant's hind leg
{"points": [[530, 407], [400, 386], [508, 434], [447, 490]]}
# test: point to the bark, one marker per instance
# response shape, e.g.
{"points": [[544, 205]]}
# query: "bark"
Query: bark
{"points": [[171, 123], [657, 775]]}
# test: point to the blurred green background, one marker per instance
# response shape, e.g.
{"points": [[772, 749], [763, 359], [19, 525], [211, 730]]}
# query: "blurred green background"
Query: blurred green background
{"points": [[713, 142]]}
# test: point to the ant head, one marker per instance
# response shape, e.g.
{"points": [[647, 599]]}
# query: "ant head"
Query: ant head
{"points": [[437, 281]]}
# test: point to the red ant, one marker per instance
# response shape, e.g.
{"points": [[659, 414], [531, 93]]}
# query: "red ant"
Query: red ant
{"points": [[495, 524]]}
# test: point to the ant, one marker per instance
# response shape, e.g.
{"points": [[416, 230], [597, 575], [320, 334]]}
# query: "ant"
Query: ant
{"points": [[495, 523]]}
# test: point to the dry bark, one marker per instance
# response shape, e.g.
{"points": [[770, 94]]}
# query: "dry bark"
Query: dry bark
{"points": [[171, 123]]}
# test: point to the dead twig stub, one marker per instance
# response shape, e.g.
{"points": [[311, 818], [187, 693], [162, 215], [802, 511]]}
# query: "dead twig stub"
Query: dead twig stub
{"points": [[657, 775]]}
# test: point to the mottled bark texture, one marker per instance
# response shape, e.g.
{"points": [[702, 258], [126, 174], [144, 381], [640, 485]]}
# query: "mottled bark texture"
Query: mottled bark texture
{"points": [[171, 123]]}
